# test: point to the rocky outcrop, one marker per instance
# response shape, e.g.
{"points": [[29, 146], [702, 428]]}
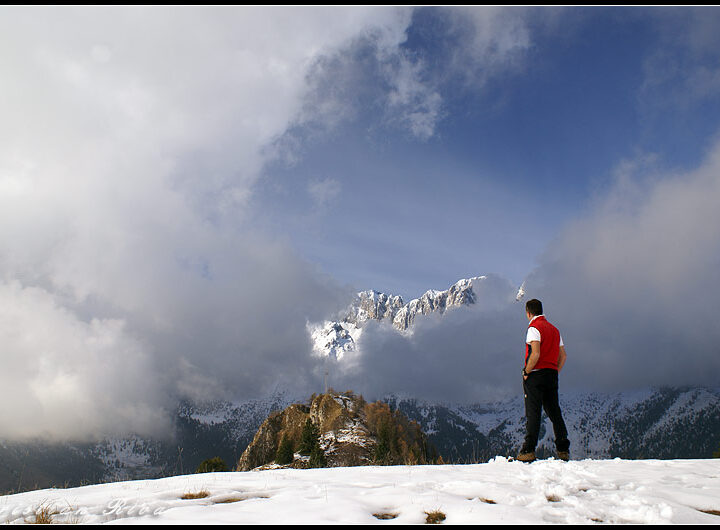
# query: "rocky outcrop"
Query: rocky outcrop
{"points": [[350, 431], [373, 305], [265, 444]]}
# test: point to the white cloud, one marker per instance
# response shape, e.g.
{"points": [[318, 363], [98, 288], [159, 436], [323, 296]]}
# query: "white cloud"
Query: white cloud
{"points": [[70, 378], [497, 38], [468, 354], [412, 101], [324, 191], [683, 69], [378, 73], [130, 143], [634, 281]]}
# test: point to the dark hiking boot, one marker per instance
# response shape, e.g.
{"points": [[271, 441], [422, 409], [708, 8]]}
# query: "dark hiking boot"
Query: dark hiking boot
{"points": [[563, 455], [526, 457]]}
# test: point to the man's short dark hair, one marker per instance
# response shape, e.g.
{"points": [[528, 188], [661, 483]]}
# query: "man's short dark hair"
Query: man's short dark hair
{"points": [[534, 307]]}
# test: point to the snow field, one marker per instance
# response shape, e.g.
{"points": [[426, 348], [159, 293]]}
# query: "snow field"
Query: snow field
{"points": [[497, 492]]}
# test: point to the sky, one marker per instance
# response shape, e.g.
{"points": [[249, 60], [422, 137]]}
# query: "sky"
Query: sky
{"points": [[183, 189], [537, 116]]}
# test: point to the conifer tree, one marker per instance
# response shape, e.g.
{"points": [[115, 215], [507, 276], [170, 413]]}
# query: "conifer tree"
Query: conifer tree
{"points": [[317, 456], [285, 454], [212, 465], [309, 438], [382, 449], [310, 445]]}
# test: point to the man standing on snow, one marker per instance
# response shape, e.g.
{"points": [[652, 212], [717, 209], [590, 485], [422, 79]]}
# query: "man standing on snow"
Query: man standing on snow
{"points": [[544, 358]]}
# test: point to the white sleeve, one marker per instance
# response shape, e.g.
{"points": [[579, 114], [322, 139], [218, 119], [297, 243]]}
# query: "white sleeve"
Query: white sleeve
{"points": [[532, 335], [561, 341]]}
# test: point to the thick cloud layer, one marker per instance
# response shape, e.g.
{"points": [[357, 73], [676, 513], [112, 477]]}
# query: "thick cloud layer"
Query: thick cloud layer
{"points": [[129, 146], [470, 353], [63, 376], [635, 283]]}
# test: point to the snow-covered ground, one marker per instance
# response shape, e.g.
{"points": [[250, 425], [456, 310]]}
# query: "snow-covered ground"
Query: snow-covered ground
{"points": [[504, 492]]}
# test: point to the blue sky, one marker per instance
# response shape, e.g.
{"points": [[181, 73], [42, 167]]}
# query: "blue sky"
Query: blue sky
{"points": [[518, 151]]}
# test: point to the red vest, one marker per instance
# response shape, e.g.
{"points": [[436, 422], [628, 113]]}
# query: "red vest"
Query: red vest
{"points": [[549, 344]]}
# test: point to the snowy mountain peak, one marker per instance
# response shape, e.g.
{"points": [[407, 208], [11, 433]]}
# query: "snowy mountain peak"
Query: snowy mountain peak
{"points": [[380, 306], [336, 338]]}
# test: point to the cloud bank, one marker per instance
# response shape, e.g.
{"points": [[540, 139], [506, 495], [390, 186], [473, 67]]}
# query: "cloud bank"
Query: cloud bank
{"points": [[468, 354], [634, 283], [131, 140]]}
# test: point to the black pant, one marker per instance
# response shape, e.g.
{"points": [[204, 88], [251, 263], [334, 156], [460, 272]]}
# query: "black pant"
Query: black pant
{"points": [[541, 392]]}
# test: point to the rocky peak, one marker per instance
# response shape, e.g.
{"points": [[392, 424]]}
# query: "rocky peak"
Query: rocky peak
{"points": [[373, 305], [459, 294], [351, 432]]}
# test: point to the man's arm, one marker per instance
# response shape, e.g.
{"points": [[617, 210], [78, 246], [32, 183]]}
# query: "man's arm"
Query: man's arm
{"points": [[534, 356], [561, 358]]}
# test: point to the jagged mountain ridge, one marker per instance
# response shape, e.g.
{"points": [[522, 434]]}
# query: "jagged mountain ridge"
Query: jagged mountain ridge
{"points": [[379, 306], [336, 338]]}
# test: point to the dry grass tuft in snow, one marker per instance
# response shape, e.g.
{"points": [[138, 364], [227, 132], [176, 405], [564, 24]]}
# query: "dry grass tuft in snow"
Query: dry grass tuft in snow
{"points": [[711, 512], [43, 515], [195, 495], [435, 517]]}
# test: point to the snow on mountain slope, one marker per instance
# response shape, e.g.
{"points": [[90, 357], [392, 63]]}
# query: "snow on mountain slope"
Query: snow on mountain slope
{"points": [[240, 418], [497, 492], [127, 458], [651, 423], [334, 339]]}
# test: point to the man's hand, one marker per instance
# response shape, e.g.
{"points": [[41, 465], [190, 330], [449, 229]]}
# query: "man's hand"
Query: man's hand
{"points": [[533, 359]]}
